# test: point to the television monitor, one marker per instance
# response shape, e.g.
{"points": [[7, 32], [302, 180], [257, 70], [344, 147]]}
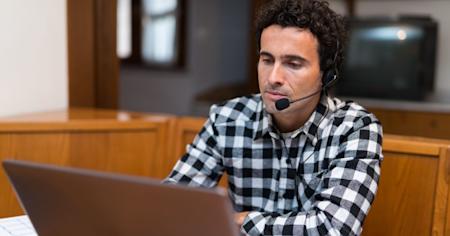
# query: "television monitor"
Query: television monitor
{"points": [[389, 58]]}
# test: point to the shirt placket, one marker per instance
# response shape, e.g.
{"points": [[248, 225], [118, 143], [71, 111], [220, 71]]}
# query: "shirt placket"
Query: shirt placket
{"points": [[286, 192]]}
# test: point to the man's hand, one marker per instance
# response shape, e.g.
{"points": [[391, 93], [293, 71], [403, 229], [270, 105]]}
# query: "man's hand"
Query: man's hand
{"points": [[239, 217]]}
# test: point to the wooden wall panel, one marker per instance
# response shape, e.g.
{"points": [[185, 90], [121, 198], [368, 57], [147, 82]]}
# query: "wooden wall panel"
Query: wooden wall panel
{"points": [[81, 52], [47, 148], [120, 142], [134, 153], [8, 204], [413, 190], [41, 147], [441, 204], [404, 202], [412, 198], [93, 64], [89, 150], [412, 123], [107, 62]]}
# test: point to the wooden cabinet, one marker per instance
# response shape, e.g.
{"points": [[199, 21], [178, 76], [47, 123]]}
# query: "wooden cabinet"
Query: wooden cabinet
{"points": [[412, 197], [103, 140], [413, 189], [414, 123]]}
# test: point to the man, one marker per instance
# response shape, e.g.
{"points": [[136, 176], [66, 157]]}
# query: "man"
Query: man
{"points": [[298, 162]]}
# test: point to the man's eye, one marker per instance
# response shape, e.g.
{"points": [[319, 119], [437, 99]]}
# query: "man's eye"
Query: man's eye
{"points": [[266, 61], [294, 65]]}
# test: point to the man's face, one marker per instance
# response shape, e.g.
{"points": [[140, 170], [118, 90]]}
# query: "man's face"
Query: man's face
{"points": [[288, 66]]}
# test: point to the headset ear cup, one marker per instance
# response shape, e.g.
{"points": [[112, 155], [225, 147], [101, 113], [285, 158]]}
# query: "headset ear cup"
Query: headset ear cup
{"points": [[328, 79]]}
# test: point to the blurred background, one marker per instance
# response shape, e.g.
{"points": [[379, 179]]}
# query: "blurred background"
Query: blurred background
{"points": [[394, 52], [181, 56]]}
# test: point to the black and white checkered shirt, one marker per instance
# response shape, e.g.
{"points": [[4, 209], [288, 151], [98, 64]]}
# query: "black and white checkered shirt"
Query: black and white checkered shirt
{"points": [[318, 180]]}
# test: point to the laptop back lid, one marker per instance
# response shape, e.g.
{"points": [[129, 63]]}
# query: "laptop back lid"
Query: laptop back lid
{"points": [[70, 201]]}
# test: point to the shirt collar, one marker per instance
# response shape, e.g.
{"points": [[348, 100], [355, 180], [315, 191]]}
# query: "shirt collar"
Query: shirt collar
{"points": [[312, 127]]}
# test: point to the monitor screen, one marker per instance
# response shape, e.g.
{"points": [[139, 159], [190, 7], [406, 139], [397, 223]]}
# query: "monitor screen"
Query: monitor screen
{"points": [[388, 59]]}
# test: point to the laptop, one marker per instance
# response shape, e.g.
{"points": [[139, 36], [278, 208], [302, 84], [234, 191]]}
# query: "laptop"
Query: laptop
{"points": [[70, 201]]}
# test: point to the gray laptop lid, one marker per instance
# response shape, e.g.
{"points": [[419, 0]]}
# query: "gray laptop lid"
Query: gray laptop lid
{"points": [[69, 201]]}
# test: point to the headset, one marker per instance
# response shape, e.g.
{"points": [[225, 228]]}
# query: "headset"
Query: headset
{"points": [[331, 75]]}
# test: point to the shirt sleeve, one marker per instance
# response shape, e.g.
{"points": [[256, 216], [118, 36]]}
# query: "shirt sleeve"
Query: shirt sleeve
{"points": [[349, 187], [201, 166]]}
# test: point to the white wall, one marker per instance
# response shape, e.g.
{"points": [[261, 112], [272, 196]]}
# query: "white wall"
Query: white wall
{"points": [[33, 56]]}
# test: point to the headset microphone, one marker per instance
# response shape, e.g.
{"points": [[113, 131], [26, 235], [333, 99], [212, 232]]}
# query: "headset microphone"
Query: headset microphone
{"points": [[284, 103]]}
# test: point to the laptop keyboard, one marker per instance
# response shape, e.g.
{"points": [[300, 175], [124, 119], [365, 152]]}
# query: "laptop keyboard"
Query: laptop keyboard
{"points": [[16, 226]]}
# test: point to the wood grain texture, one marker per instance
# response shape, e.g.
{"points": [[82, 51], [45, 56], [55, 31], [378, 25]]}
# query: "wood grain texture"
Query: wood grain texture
{"points": [[46, 148], [404, 202], [121, 147], [441, 216], [413, 189], [80, 119], [413, 145], [8, 203], [411, 123], [81, 52], [107, 62], [93, 66], [412, 198]]}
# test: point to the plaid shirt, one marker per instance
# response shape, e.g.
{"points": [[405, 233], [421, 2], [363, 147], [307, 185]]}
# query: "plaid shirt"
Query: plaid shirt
{"points": [[318, 180]]}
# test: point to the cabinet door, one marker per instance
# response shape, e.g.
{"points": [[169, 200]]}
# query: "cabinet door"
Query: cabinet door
{"points": [[128, 152], [49, 148], [404, 202]]}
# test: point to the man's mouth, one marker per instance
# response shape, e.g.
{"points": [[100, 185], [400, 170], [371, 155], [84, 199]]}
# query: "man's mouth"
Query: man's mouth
{"points": [[275, 95]]}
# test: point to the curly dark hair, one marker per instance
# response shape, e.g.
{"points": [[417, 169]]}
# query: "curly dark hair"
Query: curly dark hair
{"points": [[328, 27]]}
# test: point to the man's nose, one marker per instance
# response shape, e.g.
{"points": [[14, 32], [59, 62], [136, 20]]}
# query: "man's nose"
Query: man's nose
{"points": [[276, 76]]}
